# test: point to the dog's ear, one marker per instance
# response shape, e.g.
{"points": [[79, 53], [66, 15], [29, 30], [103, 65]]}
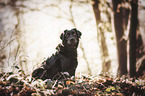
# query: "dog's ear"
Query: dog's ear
{"points": [[62, 35], [78, 32], [65, 31]]}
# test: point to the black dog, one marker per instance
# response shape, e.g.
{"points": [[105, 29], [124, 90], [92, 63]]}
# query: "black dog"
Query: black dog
{"points": [[64, 60]]}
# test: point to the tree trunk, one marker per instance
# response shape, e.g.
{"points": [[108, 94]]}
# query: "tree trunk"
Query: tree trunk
{"points": [[132, 37], [101, 38], [121, 43]]}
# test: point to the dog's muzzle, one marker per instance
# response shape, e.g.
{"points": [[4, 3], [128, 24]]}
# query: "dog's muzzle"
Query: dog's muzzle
{"points": [[72, 41]]}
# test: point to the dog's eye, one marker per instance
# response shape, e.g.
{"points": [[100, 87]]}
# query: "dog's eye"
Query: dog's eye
{"points": [[68, 35], [74, 33]]}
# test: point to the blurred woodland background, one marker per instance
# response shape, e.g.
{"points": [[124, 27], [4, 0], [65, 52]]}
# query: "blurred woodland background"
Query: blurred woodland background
{"points": [[112, 42]]}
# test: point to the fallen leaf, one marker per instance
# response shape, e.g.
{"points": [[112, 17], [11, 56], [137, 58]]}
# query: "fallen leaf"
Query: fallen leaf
{"points": [[69, 82]]}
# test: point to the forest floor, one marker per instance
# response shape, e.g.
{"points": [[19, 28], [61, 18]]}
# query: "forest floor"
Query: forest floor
{"points": [[24, 85]]}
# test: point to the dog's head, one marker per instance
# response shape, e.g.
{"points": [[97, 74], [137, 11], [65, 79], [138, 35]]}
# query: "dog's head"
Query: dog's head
{"points": [[71, 38]]}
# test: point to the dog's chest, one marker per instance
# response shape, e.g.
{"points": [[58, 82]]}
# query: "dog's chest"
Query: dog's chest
{"points": [[67, 62]]}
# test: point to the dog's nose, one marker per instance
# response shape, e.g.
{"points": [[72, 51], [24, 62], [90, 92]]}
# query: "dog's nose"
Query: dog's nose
{"points": [[72, 40]]}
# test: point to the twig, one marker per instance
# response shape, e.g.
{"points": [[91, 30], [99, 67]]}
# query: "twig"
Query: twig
{"points": [[63, 75], [43, 73], [56, 75], [54, 83], [17, 52], [8, 43]]}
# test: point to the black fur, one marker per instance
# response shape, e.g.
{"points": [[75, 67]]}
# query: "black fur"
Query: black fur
{"points": [[64, 60]]}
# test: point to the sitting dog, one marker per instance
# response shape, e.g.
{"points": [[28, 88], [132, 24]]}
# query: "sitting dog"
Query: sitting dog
{"points": [[65, 58]]}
